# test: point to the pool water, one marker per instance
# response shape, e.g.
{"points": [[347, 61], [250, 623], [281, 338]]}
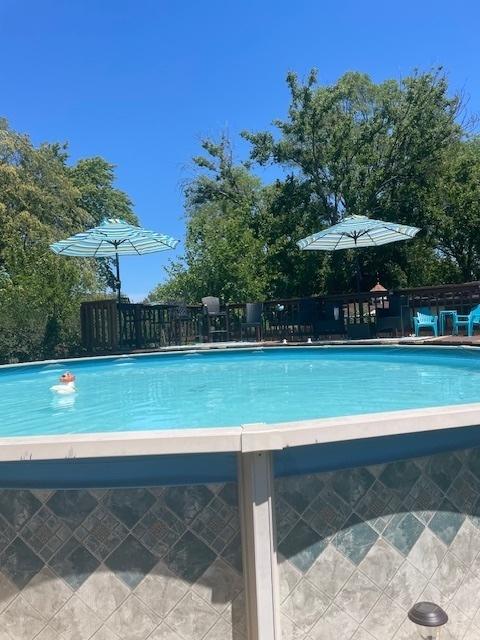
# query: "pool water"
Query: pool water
{"points": [[232, 388]]}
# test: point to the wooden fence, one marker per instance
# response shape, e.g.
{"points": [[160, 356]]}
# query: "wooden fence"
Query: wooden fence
{"points": [[110, 327]]}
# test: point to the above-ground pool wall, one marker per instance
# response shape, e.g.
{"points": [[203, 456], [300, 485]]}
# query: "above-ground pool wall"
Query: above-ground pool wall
{"points": [[161, 563], [358, 547]]}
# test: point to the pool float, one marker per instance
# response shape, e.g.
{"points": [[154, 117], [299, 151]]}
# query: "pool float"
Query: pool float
{"points": [[66, 386]]}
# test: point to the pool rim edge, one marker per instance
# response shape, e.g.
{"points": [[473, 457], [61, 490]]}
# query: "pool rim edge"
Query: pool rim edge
{"points": [[246, 438]]}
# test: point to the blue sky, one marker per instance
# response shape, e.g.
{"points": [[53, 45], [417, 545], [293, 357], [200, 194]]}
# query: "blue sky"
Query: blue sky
{"points": [[140, 82]]}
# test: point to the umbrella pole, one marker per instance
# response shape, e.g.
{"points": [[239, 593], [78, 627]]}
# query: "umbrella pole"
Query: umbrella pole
{"points": [[359, 286], [358, 273], [119, 286], [119, 297]]}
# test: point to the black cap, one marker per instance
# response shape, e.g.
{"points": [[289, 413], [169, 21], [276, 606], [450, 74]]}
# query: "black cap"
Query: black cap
{"points": [[427, 614]]}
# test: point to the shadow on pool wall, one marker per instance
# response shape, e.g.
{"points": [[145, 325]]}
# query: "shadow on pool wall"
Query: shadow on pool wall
{"points": [[357, 547], [163, 563]]}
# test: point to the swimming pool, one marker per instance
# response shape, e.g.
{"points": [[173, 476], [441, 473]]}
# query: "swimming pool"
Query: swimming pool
{"points": [[230, 388], [198, 460]]}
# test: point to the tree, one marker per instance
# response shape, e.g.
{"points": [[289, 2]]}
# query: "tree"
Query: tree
{"points": [[357, 147], [224, 252], [43, 199], [384, 150], [456, 210], [357, 143]]}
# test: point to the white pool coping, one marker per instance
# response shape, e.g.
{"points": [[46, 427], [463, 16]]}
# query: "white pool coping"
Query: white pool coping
{"points": [[241, 439], [244, 438]]}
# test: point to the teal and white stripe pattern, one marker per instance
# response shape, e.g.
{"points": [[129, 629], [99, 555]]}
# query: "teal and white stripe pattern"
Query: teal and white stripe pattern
{"points": [[357, 231], [114, 237]]}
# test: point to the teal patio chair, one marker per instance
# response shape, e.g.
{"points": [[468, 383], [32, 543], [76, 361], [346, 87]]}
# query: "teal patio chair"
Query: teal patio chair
{"points": [[424, 319], [467, 321]]}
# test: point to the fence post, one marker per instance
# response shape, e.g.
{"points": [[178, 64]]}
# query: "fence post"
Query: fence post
{"points": [[85, 326], [137, 323], [115, 325]]}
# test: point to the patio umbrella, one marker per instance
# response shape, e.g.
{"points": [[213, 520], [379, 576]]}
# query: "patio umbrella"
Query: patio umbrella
{"points": [[357, 231], [112, 238]]}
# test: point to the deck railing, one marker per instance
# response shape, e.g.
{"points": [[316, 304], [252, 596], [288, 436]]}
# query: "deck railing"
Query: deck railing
{"points": [[109, 327]]}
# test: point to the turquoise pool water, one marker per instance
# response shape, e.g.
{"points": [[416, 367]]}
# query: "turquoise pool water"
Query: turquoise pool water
{"points": [[233, 388]]}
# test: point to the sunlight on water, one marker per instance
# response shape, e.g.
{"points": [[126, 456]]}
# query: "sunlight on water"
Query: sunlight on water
{"points": [[224, 389]]}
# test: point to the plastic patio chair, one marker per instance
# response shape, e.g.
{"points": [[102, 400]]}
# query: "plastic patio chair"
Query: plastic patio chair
{"points": [[424, 319], [253, 319], [216, 320], [467, 321], [212, 306]]}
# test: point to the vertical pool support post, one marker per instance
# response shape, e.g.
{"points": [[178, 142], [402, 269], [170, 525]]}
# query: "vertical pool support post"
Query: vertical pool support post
{"points": [[257, 523]]}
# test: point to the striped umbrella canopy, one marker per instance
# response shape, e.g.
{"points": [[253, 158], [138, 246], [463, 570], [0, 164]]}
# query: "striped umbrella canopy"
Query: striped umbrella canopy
{"points": [[112, 238], [357, 231]]}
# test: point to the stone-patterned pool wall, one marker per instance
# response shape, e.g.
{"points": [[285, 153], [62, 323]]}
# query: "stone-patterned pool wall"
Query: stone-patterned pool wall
{"points": [[121, 564], [358, 547]]}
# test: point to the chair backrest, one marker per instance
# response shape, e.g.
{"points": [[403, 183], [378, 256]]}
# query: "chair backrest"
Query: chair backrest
{"points": [[424, 315], [212, 303], [475, 312], [253, 312], [425, 311]]}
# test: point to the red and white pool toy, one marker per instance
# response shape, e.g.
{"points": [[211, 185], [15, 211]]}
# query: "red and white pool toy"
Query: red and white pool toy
{"points": [[67, 384]]}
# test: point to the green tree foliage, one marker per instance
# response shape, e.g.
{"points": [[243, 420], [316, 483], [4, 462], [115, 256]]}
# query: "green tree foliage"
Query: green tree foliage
{"points": [[360, 145], [224, 251], [43, 199], [456, 210], [393, 150]]}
